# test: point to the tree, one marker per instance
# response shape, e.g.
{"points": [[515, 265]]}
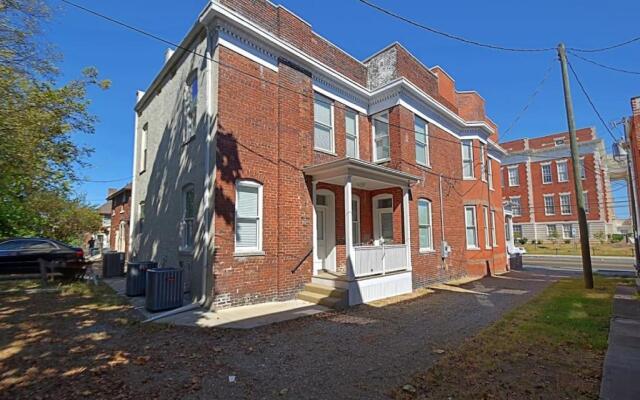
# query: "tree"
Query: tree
{"points": [[38, 120]]}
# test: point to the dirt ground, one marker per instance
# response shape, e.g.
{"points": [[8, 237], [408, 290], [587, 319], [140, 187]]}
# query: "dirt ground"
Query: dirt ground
{"points": [[84, 342]]}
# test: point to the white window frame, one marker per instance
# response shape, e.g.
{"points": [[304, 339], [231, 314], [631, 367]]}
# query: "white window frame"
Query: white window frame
{"points": [[355, 219], [471, 225], [144, 137], [516, 181], [485, 214], [187, 236], [519, 208], [425, 144], [384, 118], [517, 235], [550, 175], [494, 238], [356, 138], [191, 121], [490, 172], [377, 216], [428, 226], [583, 169], [567, 196], [258, 248], [585, 201], [564, 233], [546, 206], [555, 228], [317, 97], [559, 141], [483, 163], [464, 144], [566, 166]]}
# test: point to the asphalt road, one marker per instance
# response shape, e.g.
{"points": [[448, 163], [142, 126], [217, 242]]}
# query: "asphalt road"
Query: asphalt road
{"points": [[622, 265]]}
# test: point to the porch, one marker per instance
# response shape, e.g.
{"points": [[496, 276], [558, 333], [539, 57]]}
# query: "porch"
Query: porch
{"points": [[361, 229]]}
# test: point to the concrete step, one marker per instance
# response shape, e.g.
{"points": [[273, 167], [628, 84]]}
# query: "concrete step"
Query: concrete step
{"points": [[326, 290], [317, 298]]}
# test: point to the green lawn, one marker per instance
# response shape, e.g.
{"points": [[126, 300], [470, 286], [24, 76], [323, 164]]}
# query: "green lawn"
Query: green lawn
{"points": [[597, 249], [551, 347]]}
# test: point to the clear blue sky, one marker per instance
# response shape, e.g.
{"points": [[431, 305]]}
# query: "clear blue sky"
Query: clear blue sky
{"points": [[505, 80]]}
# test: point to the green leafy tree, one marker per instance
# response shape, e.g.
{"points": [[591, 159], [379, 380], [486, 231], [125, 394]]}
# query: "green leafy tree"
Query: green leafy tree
{"points": [[39, 119]]}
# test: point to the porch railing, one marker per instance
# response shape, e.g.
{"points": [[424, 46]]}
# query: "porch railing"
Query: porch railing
{"points": [[379, 260]]}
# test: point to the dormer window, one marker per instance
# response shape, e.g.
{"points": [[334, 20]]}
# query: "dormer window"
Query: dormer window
{"points": [[559, 142]]}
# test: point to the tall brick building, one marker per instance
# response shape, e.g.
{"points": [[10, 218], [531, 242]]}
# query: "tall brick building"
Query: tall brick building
{"points": [[120, 218], [279, 162], [633, 139], [537, 179]]}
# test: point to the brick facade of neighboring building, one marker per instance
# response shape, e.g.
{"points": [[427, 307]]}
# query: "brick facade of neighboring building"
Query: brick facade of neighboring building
{"points": [[262, 112], [539, 197], [120, 219], [633, 137]]}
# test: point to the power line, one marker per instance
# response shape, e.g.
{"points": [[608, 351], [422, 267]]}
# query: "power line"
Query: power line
{"points": [[614, 46], [595, 109], [626, 71], [452, 36], [530, 101], [104, 181]]}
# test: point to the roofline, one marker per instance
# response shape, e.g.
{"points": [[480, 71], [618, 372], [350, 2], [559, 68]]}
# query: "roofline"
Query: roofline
{"points": [[348, 161], [126, 188], [593, 130], [443, 70], [396, 43]]}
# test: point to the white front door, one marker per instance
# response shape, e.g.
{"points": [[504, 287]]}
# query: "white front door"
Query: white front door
{"points": [[325, 230]]}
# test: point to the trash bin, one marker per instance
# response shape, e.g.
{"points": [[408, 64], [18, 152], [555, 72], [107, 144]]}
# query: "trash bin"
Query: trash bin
{"points": [[136, 277], [163, 289], [515, 261], [112, 264]]}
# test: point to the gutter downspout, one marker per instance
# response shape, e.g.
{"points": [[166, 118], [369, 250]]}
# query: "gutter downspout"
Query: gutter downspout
{"points": [[444, 262]]}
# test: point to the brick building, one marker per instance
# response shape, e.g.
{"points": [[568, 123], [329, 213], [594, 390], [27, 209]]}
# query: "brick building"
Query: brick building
{"points": [[632, 129], [537, 179], [120, 218], [279, 163]]}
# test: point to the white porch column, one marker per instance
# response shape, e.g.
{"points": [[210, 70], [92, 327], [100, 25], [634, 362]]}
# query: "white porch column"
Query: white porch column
{"points": [[314, 245], [348, 228], [407, 230]]}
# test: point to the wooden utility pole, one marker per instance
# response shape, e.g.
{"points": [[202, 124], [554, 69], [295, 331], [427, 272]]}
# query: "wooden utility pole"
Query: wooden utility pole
{"points": [[575, 159]]}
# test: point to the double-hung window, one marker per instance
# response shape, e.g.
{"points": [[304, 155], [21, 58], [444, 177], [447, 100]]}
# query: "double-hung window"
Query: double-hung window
{"points": [[381, 137], [563, 171], [585, 201], [248, 217], [424, 225], [485, 214], [483, 163], [552, 231], [565, 204], [567, 231], [383, 218], [143, 148], [517, 231], [351, 131], [547, 176], [422, 141], [188, 217], [516, 206], [471, 227], [323, 123], [549, 205], [355, 218], [490, 172], [513, 175], [494, 238], [190, 108], [467, 158], [583, 170]]}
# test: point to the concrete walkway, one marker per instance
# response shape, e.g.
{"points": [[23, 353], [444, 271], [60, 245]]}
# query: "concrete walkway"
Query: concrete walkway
{"points": [[622, 363]]}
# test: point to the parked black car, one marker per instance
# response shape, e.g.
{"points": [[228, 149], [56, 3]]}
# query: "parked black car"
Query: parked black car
{"points": [[24, 255]]}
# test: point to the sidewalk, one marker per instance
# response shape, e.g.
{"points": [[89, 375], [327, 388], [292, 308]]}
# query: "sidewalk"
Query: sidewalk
{"points": [[622, 362]]}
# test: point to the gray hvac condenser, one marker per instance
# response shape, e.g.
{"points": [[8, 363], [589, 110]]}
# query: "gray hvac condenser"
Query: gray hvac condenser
{"points": [[136, 277], [112, 264], [163, 289]]}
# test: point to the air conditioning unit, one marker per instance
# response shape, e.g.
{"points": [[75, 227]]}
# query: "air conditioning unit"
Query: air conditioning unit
{"points": [[136, 277], [112, 264], [163, 289]]}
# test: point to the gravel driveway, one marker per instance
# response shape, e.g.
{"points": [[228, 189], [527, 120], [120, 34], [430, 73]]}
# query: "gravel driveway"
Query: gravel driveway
{"points": [[98, 352]]}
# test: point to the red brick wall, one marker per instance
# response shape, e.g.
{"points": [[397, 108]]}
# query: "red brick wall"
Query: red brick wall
{"points": [[520, 190], [470, 106], [120, 211]]}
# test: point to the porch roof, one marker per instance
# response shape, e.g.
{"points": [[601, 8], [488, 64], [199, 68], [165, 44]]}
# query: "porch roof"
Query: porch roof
{"points": [[365, 175]]}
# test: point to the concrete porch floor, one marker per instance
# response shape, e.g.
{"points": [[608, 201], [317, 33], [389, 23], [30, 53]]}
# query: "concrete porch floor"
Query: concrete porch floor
{"points": [[244, 317]]}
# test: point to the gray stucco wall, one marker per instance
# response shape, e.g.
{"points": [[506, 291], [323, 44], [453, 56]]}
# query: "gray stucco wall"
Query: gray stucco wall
{"points": [[172, 165]]}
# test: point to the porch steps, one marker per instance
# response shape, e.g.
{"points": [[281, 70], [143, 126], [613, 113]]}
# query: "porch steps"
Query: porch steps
{"points": [[324, 295]]}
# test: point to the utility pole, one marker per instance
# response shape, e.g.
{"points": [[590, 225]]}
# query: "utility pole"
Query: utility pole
{"points": [[575, 159]]}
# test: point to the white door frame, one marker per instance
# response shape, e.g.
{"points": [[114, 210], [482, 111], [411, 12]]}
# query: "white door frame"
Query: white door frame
{"points": [[377, 228], [327, 262]]}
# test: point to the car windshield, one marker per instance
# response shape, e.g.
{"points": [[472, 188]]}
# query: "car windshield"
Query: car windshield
{"points": [[27, 244]]}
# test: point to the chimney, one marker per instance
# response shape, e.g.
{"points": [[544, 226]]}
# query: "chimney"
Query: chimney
{"points": [[446, 85], [167, 54]]}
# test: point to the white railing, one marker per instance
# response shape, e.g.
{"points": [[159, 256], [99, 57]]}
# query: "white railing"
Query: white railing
{"points": [[376, 260]]}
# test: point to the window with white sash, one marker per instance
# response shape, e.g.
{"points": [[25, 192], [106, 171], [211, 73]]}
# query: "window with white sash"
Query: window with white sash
{"points": [[547, 176], [143, 148], [190, 108], [490, 172], [585, 201], [549, 204], [563, 171], [425, 229], [483, 163], [513, 175], [471, 227], [323, 123], [583, 170], [494, 238], [565, 203], [351, 131], [422, 141], [516, 206], [485, 214], [187, 231], [567, 231], [381, 137], [355, 218], [467, 158], [383, 218], [248, 216]]}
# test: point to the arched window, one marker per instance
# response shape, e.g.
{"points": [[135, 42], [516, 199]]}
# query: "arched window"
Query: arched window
{"points": [[248, 216]]}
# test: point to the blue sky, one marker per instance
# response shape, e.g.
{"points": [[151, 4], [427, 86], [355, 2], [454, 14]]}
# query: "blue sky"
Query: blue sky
{"points": [[505, 80]]}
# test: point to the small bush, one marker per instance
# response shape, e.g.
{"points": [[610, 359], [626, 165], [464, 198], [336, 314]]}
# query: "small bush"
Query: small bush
{"points": [[567, 241], [522, 240], [616, 237]]}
